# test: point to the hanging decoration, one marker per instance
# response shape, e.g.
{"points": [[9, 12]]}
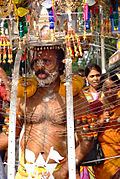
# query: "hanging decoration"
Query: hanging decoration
{"points": [[73, 45], [87, 22], [109, 33], [94, 16], [85, 12], [91, 21], [5, 50], [22, 27], [20, 13], [115, 21], [105, 22]]}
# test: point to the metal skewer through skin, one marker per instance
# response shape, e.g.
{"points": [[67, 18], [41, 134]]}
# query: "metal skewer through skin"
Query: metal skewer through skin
{"points": [[69, 108], [12, 119]]}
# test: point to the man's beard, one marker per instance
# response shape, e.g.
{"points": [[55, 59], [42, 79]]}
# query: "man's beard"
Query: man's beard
{"points": [[51, 77]]}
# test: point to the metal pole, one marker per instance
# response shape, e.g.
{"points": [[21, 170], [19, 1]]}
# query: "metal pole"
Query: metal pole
{"points": [[70, 116], [97, 40], [12, 118], [102, 44], [103, 56]]}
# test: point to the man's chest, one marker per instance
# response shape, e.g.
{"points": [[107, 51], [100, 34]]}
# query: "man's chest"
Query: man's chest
{"points": [[39, 112]]}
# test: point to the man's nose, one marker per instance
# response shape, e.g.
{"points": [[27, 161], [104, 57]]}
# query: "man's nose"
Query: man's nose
{"points": [[40, 63]]}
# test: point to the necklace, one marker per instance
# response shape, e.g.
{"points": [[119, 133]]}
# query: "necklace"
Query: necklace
{"points": [[47, 98], [51, 94]]}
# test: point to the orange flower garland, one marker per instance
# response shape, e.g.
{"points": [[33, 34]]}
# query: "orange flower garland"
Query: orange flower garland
{"points": [[73, 45]]}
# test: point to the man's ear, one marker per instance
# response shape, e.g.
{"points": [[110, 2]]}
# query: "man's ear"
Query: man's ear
{"points": [[61, 68]]}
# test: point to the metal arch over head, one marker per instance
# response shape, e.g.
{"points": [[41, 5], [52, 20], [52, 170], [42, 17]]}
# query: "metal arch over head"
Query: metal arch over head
{"points": [[45, 45]]}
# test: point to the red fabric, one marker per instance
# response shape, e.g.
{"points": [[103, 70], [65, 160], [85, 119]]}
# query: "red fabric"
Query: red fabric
{"points": [[110, 11], [96, 107], [3, 96], [3, 93]]}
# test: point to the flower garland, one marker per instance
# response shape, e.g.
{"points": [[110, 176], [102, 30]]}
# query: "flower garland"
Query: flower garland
{"points": [[5, 48], [73, 45]]}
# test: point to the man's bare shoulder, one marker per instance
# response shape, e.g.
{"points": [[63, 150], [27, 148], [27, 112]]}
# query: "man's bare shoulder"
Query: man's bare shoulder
{"points": [[20, 102]]}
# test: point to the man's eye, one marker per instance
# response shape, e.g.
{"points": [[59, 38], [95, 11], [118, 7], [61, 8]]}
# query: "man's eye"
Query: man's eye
{"points": [[47, 61], [35, 61]]}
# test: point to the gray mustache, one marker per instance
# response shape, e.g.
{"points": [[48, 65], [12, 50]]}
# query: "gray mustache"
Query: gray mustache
{"points": [[41, 71]]}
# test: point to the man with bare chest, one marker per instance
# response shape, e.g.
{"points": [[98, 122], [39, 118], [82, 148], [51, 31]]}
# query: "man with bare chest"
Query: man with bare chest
{"points": [[44, 142]]}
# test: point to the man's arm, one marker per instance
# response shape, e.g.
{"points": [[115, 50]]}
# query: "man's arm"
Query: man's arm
{"points": [[4, 77], [3, 141], [19, 123], [83, 148], [6, 82]]}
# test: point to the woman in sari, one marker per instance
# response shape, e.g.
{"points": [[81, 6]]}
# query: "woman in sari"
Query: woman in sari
{"points": [[109, 133], [92, 93]]}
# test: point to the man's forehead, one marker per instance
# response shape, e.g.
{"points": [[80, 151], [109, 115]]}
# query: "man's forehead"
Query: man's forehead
{"points": [[46, 53], [40, 51]]}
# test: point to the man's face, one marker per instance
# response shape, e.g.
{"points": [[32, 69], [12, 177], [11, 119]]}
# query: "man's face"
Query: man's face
{"points": [[45, 67], [94, 78]]}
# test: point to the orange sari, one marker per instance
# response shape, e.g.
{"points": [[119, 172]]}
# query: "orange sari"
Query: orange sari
{"points": [[109, 139]]}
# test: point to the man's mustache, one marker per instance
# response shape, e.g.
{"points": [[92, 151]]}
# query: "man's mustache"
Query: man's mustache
{"points": [[41, 72]]}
